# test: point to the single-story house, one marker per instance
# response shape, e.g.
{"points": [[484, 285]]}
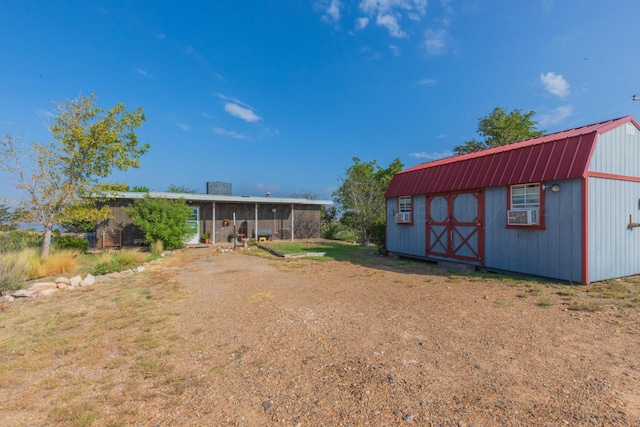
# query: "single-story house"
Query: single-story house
{"points": [[564, 206], [214, 214]]}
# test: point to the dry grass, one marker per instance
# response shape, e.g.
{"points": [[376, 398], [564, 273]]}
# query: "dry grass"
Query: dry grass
{"points": [[115, 338], [131, 257], [13, 269]]}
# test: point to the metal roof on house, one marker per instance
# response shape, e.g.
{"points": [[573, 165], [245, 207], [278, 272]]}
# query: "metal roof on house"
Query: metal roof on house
{"points": [[556, 156], [221, 198]]}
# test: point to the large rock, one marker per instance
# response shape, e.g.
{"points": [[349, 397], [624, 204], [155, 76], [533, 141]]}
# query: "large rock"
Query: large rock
{"points": [[48, 291], [6, 298], [22, 293], [41, 286], [140, 269], [89, 280], [75, 281], [62, 285], [62, 280]]}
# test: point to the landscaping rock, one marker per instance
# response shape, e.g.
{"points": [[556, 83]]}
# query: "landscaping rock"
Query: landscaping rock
{"points": [[48, 291], [75, 280], [62, 285], [41, 286], [126, 272], [6, 298], [140, 269], [22, 293], [89, 280], [62, 280]]}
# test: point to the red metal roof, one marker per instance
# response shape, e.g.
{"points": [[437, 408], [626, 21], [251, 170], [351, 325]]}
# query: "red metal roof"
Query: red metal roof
{"points": [[560, 155]]}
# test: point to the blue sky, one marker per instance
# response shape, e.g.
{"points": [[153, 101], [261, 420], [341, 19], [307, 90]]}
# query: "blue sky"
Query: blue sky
{"points": [[279, 96]]}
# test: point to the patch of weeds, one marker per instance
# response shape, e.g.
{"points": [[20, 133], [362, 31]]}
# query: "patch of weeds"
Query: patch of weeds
{"points": [[617, 289], [589, 306], [149, 368], [566, 293], [80, 415], [545, 303], [257, 297], [521, 295], [504, 303], [455, 278], [535, 291]]}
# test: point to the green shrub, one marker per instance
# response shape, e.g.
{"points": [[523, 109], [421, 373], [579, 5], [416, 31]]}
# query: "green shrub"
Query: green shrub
{"points": [[17, 240], [161, 219], [72, 242]]}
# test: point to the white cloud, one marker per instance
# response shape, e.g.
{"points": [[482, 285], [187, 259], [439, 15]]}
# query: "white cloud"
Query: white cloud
{"points": [[390, 22], [427, 82], [142, 72], [229, 133], [183, 126], [245, 114], [331, 10], [395, 50], [207, 115], [190, 50], [361, 23], [435, 41], [431, 156], [555, 84], [383, 6], [555, 116]]}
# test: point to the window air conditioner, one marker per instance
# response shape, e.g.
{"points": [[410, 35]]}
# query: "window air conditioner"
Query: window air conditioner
{"points": [[522, 217], [403, 217]]}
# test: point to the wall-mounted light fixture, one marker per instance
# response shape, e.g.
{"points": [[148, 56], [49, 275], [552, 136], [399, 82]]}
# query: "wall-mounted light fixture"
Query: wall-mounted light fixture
{"points": [[555, 188]]}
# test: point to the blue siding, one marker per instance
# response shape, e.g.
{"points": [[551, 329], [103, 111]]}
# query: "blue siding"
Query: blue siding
{"points": [[614, 248], [407, 239], [554, 252], [618, 152]]}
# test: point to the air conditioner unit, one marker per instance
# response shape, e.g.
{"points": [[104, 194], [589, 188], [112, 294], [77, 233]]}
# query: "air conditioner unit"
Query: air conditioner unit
{"points": [[522, 217], [403, 217]]}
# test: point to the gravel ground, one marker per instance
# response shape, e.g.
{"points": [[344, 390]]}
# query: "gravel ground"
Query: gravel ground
{"points": [[307, 343]]}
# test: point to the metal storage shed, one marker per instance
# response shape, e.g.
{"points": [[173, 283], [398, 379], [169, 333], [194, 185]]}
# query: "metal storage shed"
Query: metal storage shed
{"points": [[563, 205]]}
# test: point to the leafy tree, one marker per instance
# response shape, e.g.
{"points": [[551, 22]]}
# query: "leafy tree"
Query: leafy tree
{"points": [[88, 145], [305, 194], [7, 218], [180, 189], [162, 220], [361, 194], [501, 128], [140, 189]]}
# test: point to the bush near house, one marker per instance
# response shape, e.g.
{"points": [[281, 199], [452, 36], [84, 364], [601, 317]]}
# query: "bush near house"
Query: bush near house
{"points": [[161, 219]]}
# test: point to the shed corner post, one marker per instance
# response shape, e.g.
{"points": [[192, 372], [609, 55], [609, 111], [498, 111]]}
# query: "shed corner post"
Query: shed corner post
{"points": [[293, 230]]}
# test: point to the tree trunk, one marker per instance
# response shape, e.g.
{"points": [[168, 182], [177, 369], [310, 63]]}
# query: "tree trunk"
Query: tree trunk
{"points": [[46, 242]]}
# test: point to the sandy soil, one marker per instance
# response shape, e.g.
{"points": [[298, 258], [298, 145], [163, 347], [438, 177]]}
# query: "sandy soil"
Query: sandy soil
{"points": [[308, 343]]}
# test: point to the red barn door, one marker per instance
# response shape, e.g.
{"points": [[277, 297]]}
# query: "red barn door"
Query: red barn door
{"points": [[455, 226]]}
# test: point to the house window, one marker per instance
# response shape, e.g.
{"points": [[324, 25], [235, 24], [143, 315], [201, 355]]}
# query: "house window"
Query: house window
{"points": [[405, 205], [525, 202]]}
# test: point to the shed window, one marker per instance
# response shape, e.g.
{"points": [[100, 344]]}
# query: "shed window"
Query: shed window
{"points": [[405, 205], [525, 203]]}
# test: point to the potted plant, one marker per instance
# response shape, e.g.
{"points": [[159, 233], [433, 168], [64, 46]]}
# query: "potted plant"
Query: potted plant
{"points": [[233, 236], [206, 238], [226, 222]]}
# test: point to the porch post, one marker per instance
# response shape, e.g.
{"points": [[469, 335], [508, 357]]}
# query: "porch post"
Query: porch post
{"points": [[293, 230], [255, 226], [213, 222]]}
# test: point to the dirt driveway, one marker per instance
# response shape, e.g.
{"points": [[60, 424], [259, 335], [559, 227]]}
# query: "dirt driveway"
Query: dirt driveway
{"points": [[213, 339], [301, 342]]}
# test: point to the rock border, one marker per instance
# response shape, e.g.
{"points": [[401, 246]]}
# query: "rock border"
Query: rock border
{"points": [[38, 289]]}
